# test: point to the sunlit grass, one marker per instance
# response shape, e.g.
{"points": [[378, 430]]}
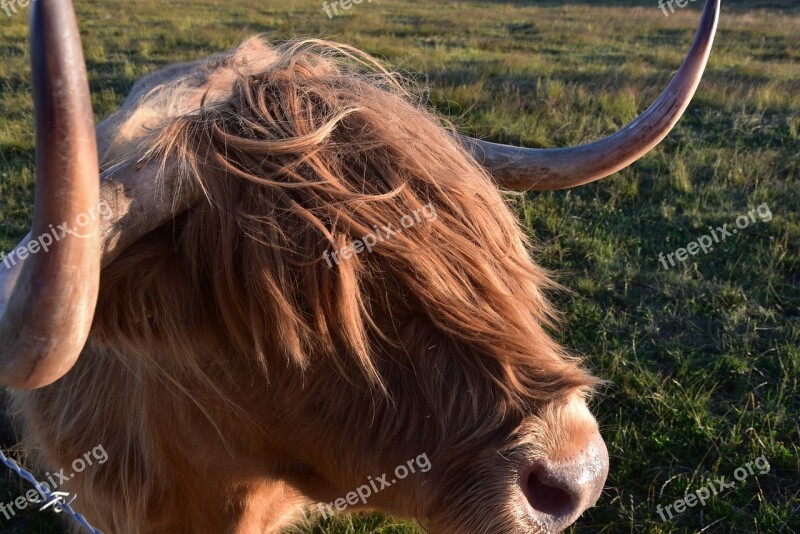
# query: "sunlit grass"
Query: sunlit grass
{"points": [[703, 359]]}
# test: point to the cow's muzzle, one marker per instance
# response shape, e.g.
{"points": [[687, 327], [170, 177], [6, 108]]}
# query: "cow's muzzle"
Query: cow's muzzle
{"points": [[557, 492]]}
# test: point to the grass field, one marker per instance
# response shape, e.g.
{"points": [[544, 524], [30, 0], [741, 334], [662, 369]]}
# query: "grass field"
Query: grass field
{"points": [[703, 359]]}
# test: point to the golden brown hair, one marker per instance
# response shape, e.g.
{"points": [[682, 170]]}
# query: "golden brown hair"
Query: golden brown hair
{"points": [[232, 311], [313, 153]]}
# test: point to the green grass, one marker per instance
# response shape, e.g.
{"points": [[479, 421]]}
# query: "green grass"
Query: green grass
{"points": [[703, 359]]}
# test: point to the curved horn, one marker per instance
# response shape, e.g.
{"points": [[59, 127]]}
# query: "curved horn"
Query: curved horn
{"points": [[49, 301], [560, 168], [49, 286], [138, 202]]}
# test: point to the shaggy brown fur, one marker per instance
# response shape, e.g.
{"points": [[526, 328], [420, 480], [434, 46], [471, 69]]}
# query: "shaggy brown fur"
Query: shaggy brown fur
{"points": [[234, 378]]}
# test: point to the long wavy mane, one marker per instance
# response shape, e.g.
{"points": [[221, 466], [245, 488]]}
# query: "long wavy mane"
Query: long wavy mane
{"points": [[318, 150]]}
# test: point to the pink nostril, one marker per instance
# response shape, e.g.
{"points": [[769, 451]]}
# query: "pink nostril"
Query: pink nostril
{"points": [[558, 492], [547, 498]]}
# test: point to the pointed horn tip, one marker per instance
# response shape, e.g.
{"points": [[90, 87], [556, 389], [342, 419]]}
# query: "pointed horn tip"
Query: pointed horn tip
{"points": [[530, 169]]}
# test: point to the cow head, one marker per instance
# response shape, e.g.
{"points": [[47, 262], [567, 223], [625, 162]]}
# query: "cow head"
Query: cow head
{"points": [[238, 188]]}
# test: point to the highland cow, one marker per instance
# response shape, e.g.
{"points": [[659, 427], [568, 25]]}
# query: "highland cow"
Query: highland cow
{"points": [[235, 378]]}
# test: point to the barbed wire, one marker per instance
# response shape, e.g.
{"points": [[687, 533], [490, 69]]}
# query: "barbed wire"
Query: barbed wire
{"points": [[54, 499]]}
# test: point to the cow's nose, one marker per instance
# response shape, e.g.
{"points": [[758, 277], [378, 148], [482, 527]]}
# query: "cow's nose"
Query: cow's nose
{"points": [[558, 492]]}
